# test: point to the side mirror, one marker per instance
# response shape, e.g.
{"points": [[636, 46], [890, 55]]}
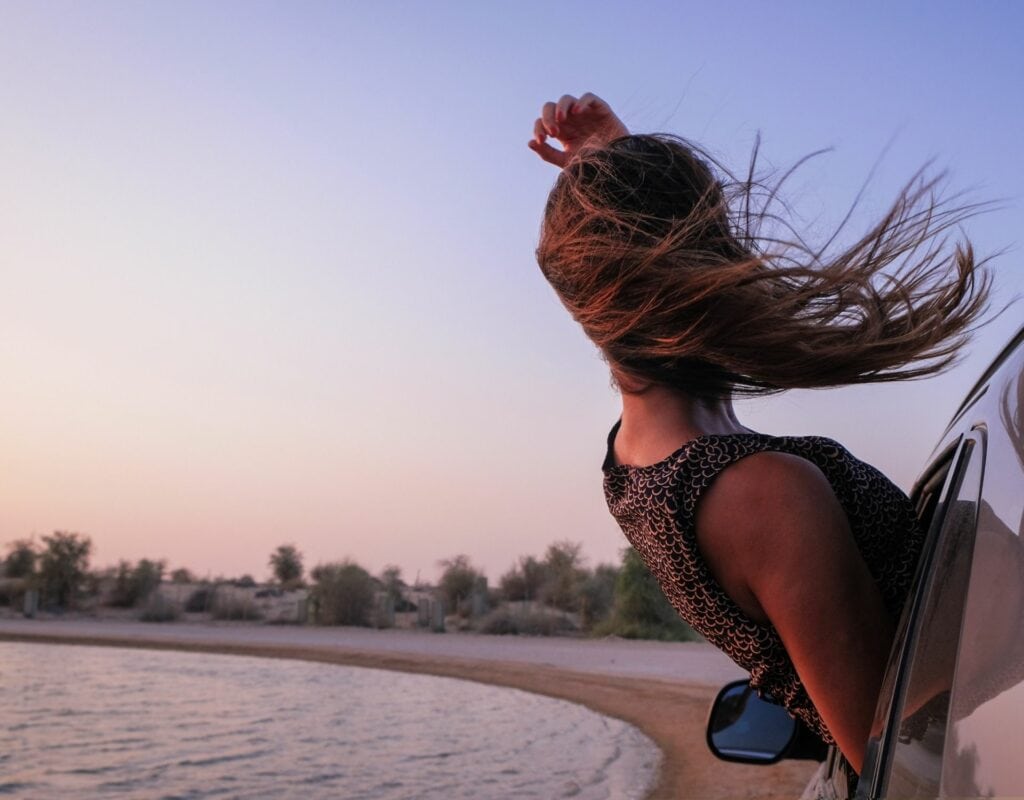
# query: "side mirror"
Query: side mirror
{"points": [[743, 727]]}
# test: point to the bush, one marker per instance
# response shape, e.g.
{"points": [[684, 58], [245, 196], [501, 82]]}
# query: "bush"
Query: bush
{"points": [[394, 587], [158, 608], [597, 594], [200, 601], [564, 575], [133, 585], [343, 594], [641, 610], [21, 559], [12, 591], [182, 575], [524, 581], [459, 582], [230, 605], [506, 621]]}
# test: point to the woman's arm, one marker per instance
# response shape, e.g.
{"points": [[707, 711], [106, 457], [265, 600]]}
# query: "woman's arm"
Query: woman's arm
{"points": [[575, 123], [778, 542]]}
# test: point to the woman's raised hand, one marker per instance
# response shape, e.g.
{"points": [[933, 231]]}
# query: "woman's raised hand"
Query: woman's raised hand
{"points": [[574, 122]]}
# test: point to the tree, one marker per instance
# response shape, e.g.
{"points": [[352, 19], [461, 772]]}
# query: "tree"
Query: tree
{"points": [[182, 575], [343, 594], [597, 594], [133, 585], [459, 580], [524, 580], [62, 566], [391, 580], [564, 575], [21, 559], [641, 610], [286, 563]]}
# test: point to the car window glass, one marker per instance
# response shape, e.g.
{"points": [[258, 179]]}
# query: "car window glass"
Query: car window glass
{"points": [[916, 758]]}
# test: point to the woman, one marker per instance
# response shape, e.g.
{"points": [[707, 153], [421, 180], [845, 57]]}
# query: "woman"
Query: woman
{"points": [[786, 552]]}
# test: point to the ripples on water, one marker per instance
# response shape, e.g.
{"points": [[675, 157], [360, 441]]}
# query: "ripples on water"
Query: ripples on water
{"points": [[91, 722]]}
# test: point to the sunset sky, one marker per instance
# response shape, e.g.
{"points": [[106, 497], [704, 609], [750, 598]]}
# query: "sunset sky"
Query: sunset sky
{"points": [[267, 269]]}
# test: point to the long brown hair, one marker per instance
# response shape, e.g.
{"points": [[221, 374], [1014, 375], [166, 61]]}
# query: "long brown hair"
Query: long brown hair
{"points": [[692, 279]]}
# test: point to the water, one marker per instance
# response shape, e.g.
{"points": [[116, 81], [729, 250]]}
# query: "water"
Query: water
{"points": [[93, 722]]}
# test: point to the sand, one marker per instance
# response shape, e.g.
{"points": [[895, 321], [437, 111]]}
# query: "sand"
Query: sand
{"points": [[663, 688]]}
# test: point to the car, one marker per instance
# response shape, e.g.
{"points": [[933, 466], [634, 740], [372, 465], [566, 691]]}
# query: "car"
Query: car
{"points": [[949, 721]]}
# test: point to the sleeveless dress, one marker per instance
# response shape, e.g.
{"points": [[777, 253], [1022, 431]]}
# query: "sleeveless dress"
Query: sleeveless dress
{"points": [[655, 506]]}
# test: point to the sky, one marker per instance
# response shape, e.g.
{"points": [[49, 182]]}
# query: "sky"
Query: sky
{"points": [[267, 270]]}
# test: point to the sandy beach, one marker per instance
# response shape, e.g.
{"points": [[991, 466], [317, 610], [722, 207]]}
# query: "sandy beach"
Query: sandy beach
{"points": [[663, 688]]}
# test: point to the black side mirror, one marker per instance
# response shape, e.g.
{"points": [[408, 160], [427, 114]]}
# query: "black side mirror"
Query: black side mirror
{"points": [[744, 727]]}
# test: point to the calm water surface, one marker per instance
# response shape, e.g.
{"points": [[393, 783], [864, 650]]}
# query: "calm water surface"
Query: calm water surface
{"points": [[92, 722]]}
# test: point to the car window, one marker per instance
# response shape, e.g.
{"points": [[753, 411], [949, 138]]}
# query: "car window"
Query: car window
{"points": [[916, 740]]}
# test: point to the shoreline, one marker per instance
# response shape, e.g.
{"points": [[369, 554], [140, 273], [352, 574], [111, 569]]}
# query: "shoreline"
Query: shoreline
{"points": [[669, 710]]}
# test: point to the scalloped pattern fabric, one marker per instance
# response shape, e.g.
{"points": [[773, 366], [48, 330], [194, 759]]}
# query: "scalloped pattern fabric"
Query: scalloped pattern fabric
{"points": [[655, 506]]}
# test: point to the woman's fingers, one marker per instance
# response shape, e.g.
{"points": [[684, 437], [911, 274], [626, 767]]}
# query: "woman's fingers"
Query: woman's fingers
{"points": [[540, 146], [547, 116], [588, 100], [539, 133], [547, 152], [562, 108]]}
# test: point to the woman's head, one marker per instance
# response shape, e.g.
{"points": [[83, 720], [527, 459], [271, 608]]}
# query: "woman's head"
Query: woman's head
{"points": [[655, 250]]}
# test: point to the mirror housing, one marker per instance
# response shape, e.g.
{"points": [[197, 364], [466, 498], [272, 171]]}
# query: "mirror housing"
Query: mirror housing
{"points": [[746, 728]]}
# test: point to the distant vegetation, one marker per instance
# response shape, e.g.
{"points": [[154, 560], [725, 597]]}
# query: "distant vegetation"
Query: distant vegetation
{"points": [[286, 563], [553, 594], [134, 584], [343, 594]]}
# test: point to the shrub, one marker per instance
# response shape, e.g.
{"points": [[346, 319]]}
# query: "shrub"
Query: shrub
{"points": [[12, 591], [394, 587], [230, 605], [21, 559], [460, 580], [563, 575], [182, 575], [640, 609], [597, 594], [507, 621], [133, 585], [158, 608], [201, 600], [343, 594], [524, 580]]}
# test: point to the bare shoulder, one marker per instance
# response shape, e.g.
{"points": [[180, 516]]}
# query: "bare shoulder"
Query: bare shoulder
{"points": [[766, 487], [767, 513]]}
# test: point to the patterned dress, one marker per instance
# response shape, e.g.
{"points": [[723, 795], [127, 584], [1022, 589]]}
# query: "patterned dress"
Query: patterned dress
{"points": [[655, 506]]}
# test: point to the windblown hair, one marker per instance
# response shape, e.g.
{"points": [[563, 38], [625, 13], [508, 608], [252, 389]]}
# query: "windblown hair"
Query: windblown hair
{"points": [[667, 267]]}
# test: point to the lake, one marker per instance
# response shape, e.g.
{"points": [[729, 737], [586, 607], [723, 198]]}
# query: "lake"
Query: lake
{"points": [[89, 722]]}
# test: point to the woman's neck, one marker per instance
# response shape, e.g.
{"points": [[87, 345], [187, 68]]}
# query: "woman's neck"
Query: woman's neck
{"points": [[658, 421]]}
